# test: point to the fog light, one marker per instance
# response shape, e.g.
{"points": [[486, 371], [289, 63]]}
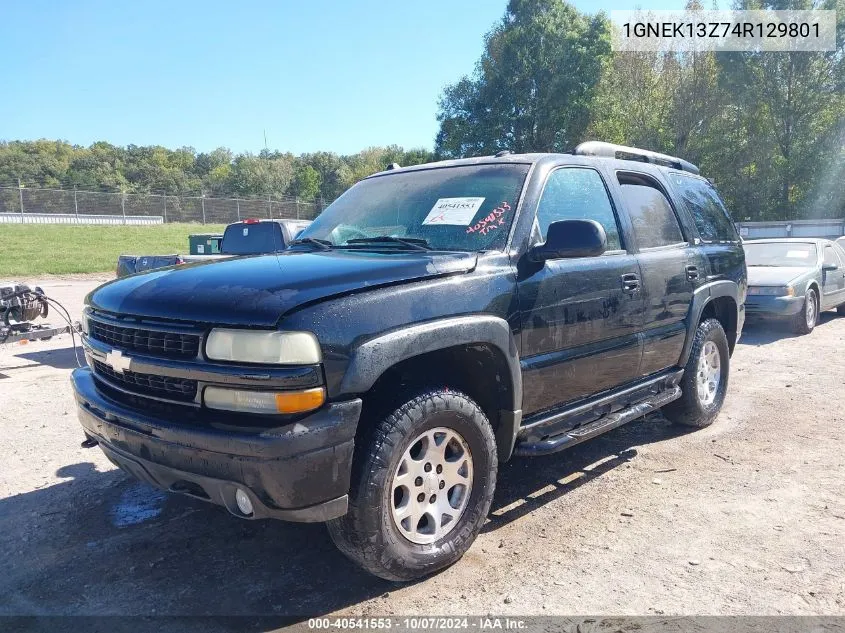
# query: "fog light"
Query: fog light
{"points": [[244, 504]]}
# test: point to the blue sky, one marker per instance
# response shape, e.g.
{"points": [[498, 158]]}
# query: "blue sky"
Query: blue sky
{"points": [[314, 74]]}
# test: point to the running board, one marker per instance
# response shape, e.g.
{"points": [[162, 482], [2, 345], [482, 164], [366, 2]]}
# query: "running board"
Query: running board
{"points": [[609, 422]]}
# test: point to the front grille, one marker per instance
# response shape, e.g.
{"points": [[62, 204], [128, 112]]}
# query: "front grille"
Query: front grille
{"points": [[151, 342], [149, 384]]}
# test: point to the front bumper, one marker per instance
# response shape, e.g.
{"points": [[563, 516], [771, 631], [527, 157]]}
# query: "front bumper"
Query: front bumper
{"points": [[761, 305], [296, 472]]}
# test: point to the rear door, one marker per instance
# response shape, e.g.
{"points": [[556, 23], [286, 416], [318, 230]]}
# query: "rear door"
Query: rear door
{"points": [[580, 316], [671, 268]]}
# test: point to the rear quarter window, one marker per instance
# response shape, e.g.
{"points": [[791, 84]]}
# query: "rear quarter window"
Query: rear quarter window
{"points": [[709, 214]]}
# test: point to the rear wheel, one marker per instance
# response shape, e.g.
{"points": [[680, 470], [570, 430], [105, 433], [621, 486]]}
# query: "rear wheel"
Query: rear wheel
{"points": [[422, 488], [705, 380], [805, 320], [840, 310]]}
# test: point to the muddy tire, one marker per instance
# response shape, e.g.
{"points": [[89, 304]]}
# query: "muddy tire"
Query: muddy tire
{"points": [[423, 482], [705, 380]]}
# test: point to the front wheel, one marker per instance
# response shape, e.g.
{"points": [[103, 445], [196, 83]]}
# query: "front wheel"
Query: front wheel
{"points": [[422, 488], [705, 380], [805, 320]]}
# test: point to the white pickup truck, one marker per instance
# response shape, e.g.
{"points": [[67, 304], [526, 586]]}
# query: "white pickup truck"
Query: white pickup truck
{"points": [[248, 237]]}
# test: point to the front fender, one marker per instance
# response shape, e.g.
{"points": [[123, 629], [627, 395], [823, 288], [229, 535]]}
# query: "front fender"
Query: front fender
{"points": [[376, 355]]}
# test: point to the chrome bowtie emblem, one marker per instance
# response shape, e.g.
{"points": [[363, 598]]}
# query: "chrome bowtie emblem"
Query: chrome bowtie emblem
{"points": [[117, 361]]}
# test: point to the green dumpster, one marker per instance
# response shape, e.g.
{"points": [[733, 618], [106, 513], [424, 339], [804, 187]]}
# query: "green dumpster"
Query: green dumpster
{"points": [[204, 243]]}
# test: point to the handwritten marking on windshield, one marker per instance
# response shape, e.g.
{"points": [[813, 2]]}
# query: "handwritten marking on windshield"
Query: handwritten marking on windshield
{"points": [[492, 221]]}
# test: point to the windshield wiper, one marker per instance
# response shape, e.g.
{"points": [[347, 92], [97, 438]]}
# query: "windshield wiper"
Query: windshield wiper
{"points": [[415, 243], [323, 245]]}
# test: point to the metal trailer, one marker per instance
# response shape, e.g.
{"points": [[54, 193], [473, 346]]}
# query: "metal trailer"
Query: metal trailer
{"points": [[33, 332]]}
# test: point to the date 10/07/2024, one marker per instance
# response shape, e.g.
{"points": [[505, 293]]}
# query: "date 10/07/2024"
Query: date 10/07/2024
{"points": [[461, 623]]}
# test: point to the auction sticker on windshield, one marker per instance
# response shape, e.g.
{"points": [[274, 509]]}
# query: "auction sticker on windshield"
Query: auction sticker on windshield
{"points": [[455, 211]]}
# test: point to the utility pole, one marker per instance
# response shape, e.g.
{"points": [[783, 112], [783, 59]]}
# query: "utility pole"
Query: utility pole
{"points": [[297, 208], [238, 206], [123, 203], [202, 197], [165, 207], [75, 204], [20, 195]]}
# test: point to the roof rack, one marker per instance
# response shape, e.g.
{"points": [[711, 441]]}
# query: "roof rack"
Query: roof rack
{"points": [[611, 150]]}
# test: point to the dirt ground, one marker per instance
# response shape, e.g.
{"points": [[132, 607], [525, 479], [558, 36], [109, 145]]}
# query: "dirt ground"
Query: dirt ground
{"points": [[745, 517]]}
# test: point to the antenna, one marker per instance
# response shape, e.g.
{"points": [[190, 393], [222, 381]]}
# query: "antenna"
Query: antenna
{"points": [[267, 158]]}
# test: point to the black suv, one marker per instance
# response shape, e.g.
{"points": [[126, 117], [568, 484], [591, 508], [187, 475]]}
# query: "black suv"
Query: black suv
{"points": [[431, 323]]}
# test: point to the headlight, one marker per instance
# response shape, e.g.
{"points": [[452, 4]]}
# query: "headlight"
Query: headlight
{"points": [[772, 291], [83, 322], [275, 348]]}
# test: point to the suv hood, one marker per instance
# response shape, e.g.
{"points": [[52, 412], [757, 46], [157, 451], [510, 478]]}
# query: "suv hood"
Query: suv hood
{"points": [[257, 291], [775, 275]]}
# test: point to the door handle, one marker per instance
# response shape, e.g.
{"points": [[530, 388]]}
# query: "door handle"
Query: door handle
{"points": [[692, 272], [630, 282]]}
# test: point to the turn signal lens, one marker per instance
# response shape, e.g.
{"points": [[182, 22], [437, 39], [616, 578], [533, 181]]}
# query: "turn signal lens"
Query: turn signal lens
{"points": [[249, 401], [299, 401]]}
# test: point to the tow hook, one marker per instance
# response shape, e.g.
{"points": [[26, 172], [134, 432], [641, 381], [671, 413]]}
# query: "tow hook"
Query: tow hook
{"points": [[89, 443]]}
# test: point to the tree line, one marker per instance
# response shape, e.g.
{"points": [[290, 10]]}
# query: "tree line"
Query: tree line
{"points": [[767, 128], [314, 177]]}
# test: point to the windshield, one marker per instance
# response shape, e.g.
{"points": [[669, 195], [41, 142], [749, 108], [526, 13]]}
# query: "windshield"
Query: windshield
{"points": [[468, 208], [252, 239], [797, 254]]}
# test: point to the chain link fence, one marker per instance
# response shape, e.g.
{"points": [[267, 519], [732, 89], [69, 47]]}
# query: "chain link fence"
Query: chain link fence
{"points": [[117, 206]]}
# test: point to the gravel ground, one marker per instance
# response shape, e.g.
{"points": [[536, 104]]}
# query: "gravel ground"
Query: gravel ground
{"points": [[745, 517]]}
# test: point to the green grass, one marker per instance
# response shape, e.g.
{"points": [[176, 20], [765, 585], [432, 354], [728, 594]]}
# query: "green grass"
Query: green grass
{"points": [[33, 249]]}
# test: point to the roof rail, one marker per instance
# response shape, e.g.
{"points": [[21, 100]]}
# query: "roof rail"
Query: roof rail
{"points": [[611, 150]]}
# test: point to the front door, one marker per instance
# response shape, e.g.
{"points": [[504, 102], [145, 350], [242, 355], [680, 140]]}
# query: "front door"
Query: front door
{"points": [[580, 317]]}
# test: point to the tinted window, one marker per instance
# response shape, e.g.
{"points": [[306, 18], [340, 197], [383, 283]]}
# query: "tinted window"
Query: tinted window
{"points": [[251, 239], [793, 254], [578, 194], [710, 216], [468, 208], [654, 220]]}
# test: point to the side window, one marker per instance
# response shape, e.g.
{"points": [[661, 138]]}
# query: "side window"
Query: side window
{"points": [[710, 216], [652, 215], [574, 193], [830, 256]]}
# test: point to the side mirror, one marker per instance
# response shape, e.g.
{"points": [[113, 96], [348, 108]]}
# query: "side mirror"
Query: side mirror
{"points": [[829, 267], [571, 238]]}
